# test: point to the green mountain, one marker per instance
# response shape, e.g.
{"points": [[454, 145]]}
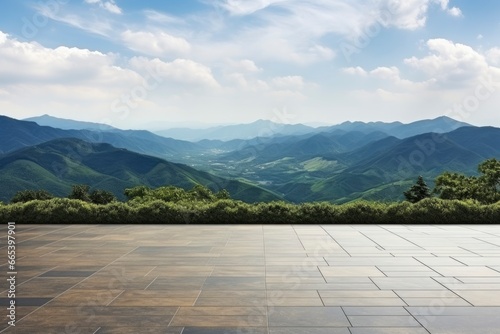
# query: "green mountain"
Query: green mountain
{"points": [[69, 124], [58, 164], [400, 130], [260, 128], [15, 134], [383, 169]]}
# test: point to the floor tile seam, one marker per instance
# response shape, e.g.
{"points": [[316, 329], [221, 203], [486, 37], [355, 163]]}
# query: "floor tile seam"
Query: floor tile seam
{"points": [[415, 318], [151, 283], [203, 284], [454, 258], [470, 228], [490, 267], [55, 250], [335, 240], [385, 275], [172, 319], [83, 280], [451, 290], [149, 272], [88, 227], [405, 239], [430, 268], [470, 251], [115, 298], [58, 229], [376, 243], [32, 278], [345, 315]]}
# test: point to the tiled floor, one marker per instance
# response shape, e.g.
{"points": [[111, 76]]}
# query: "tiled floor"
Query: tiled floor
{"points": [[335, 279]]}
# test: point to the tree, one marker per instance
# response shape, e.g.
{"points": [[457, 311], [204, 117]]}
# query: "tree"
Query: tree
{"points": [[31, 195], [101, 197], [485, 188], [81, 192], [202, 193], [223, 194], [137, 192], [418, 191], [490, 179]]}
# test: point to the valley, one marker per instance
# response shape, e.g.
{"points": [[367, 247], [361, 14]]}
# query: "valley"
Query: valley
{"points": [[342, 163]]}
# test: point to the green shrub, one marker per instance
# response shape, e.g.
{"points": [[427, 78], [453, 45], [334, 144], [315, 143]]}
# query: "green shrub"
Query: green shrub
{"points": [[31, 195]]}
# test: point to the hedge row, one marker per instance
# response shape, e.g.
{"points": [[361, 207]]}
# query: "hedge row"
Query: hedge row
{"points": [[428, 211]]}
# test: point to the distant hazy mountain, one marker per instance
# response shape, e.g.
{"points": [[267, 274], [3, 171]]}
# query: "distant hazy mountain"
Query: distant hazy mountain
{"points": [[345, 162], [260, 128], [383, 169], [58, 164], [69, 124], [15, 134], [264, 128], [397, 129]]}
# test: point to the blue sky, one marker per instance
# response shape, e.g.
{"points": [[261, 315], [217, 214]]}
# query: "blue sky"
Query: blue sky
{"points": [[157, 64]]}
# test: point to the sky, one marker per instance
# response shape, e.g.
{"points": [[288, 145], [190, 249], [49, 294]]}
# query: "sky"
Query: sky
{"points": [[166, 63]]}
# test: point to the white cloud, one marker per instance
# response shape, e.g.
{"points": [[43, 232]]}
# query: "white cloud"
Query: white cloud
{"points": [[294, 30], [355, 71], [245, 65], [180, 70], [451, 64], [109, 5], [295, 82], [158, 44], [493, 56], [453, 11], [245, 7], [386, 73], [31, 62], [155, 16]]}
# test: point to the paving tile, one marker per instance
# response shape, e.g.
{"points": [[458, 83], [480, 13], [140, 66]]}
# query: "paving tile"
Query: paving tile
{"points": [[374, 310], [435, 302], [307, 317], [220, 320], [481, 297], [271, 279], [409, 283], [345, 301], [460, 324], [224, 330], [308, 330], [462, 271], [383, 321], [295, 301], [357, 294], [362, 271], [222, 301], [388, 330]]}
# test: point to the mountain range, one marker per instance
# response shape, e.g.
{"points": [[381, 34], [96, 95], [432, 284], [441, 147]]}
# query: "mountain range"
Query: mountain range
{"points": [[258, 161], [58, 164]]}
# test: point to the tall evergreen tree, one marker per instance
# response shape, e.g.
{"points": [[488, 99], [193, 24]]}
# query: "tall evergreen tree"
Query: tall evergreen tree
{"points": [[418, 191]]}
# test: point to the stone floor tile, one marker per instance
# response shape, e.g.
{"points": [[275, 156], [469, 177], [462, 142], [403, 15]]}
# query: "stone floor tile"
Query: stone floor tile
{"points": [[481, 297], [271, 279], [345, 301], [443, 324], [350, 271], [374, 310], [409, 283], [383, 321], [307, 317], [308, 330], [388, 330]]}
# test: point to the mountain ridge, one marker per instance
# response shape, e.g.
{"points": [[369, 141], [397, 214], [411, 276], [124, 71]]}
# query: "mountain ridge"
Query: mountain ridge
{"points": [[49, 166]]}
